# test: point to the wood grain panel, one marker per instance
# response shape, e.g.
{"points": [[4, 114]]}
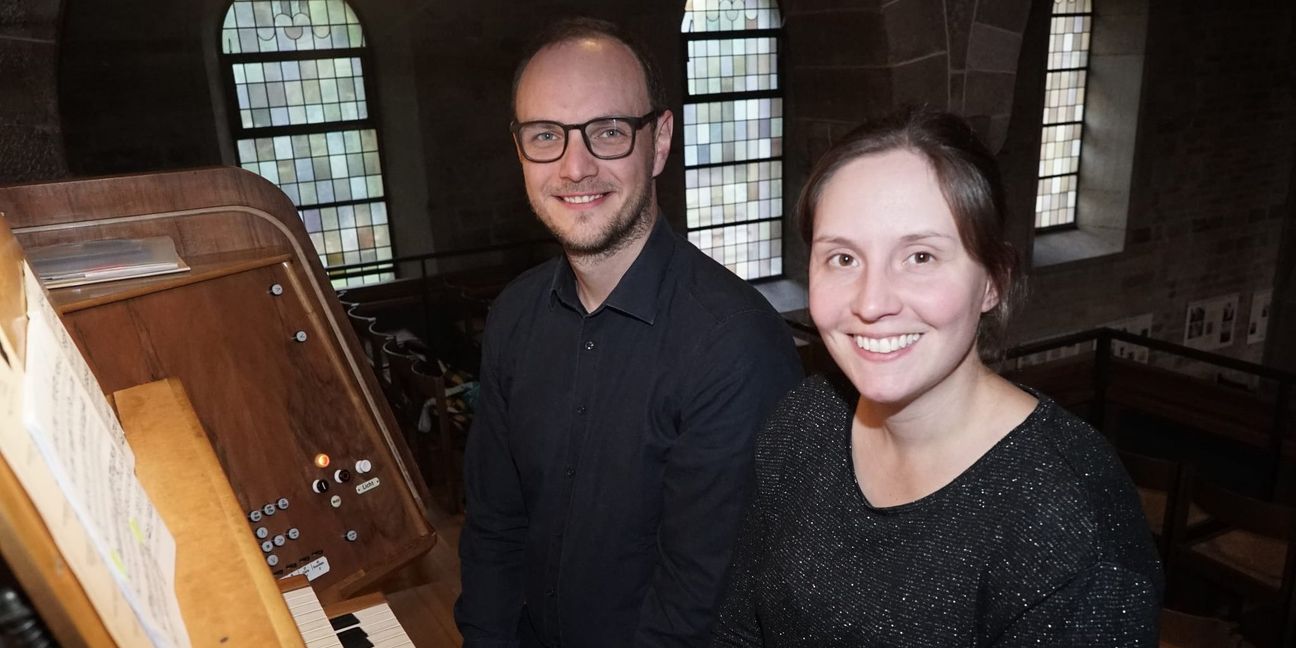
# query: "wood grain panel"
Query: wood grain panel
{"points": [[224, 592], [268, 403]]}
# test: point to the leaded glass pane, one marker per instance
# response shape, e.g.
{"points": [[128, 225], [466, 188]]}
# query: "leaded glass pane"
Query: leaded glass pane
{"points": [[1063, 118], [730, 15], [732, 65], [733, 131], [253, 26], [733, 174], [1069, 42], [292, 93], [750, 250], [322, 168], [316, 168], [1060, 150], [1055, 201], [1072, 6], [1064, 96], [734, 193]]}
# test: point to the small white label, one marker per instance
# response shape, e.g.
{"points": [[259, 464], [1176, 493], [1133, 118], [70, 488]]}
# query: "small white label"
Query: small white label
{"points": [[367, 486], [314, 569]]}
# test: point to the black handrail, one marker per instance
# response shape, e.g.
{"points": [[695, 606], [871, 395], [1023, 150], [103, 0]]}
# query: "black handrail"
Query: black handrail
{"points": [[389, 265], [1156, 345]]}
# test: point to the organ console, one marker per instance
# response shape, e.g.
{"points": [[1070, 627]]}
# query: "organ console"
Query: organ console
{"points": [[253, 334]]}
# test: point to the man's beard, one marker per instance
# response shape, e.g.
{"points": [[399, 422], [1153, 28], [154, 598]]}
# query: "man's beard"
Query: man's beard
{"points": [[623, 228]]}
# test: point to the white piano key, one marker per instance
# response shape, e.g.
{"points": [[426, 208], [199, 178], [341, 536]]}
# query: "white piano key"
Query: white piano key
{"points": [[311, 621], [382, 627]]}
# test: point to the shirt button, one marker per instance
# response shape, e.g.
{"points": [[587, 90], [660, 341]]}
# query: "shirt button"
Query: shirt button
{"points": [[571, 472], [580, 409], [549, 592], [589, 345]]}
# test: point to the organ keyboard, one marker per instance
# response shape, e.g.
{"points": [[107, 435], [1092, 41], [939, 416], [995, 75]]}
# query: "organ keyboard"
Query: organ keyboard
{"points": [[375, 625], [365, 622], [309, 616]]}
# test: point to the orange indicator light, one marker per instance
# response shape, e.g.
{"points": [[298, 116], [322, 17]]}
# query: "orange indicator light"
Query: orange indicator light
{"points": [[321, 460]]}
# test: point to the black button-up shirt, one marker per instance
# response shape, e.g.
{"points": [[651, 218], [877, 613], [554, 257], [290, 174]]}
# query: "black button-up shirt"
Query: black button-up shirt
{"points": [[611, 454]]}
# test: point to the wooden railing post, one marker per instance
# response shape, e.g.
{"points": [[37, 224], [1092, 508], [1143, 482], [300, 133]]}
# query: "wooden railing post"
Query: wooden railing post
{"points": [[423, 295], [1102, 362], [1276, 437]]}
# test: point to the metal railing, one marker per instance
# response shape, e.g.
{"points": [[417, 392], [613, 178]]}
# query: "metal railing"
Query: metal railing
{"points": [[381, 266], [1103, 339]]}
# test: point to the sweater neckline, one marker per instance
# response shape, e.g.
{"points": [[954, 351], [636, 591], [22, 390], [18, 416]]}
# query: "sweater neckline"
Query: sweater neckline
{"points": [[1021, 429]]}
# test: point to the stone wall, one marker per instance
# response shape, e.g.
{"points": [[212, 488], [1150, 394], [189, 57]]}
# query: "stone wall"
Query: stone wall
{"points": [[1211, 177], [1213, 160], [142, 88], [465, 78], [31, 139], [848, 61], [139, 89]]}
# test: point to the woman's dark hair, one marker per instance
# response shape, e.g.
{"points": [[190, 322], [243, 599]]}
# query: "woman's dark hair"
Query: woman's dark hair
{"points": [[570, 29], [969, 180]]}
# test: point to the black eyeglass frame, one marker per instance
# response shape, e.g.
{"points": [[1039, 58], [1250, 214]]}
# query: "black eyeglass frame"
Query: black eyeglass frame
{"points": [[636, 123]]}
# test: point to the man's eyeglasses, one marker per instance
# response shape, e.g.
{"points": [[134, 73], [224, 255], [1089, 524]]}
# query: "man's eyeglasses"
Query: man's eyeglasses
{"points": [[607, 138]]}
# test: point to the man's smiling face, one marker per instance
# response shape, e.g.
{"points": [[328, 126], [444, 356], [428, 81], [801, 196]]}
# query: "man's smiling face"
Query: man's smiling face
{"points": [[592, 206]]}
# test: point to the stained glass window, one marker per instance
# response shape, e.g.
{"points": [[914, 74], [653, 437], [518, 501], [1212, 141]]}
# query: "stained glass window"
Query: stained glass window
{"points": [[302, 121], [1064, 100], [291, 93], [733, 133]]}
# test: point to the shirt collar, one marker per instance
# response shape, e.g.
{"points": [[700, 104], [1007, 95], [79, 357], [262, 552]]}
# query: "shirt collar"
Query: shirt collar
{"points": [[636, 293]]}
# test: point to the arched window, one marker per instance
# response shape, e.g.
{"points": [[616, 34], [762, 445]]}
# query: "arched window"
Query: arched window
{"points": [[733, 133], [1064, 102], [302, 118]]}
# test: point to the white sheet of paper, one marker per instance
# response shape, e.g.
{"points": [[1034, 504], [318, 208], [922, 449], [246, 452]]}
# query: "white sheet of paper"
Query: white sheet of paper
{"points": [[75, 545], [83, 447]]}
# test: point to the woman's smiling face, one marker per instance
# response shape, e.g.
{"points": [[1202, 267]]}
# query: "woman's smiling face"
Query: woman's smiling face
{"points": [[893, 291]]}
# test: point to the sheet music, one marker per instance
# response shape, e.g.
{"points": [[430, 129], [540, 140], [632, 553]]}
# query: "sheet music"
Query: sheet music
{"points": [[97, 511], [75, 546]]}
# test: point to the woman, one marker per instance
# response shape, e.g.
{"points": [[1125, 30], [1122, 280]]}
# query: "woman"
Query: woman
{"points": [[929, 502]]}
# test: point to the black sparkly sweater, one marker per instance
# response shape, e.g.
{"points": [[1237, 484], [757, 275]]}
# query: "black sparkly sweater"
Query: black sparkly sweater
{"points": [[1041, 542]]}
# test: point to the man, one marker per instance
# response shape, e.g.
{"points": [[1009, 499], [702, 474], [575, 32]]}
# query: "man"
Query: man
{"points": [[622, 383]]}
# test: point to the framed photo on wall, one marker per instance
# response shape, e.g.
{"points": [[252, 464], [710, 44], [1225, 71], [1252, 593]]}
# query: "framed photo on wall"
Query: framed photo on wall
{"points": [[1259, 320], [1208, 323]]}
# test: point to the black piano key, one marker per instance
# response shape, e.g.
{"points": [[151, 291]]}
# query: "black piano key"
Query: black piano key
{"points": [[343, 622], [354, 638]]}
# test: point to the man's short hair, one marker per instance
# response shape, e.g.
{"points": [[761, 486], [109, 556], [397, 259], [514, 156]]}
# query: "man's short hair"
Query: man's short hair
{"points": [[570, 29]]}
